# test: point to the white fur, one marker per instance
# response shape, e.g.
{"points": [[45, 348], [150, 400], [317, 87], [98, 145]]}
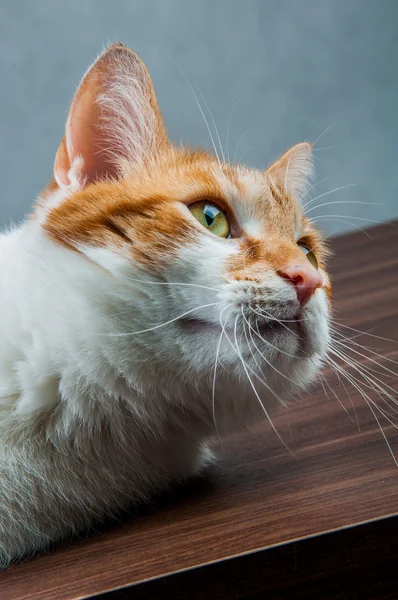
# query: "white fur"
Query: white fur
{"points": [[106, 393], [95, 416]]}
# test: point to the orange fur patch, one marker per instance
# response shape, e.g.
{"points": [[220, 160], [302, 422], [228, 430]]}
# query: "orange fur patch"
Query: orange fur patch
{"points": [[141, 215], [132, 181], [278, 246], [141, 211]]}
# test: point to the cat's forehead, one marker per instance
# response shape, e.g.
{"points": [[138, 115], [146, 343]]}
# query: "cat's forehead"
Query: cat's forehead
{"points": [[258, 204]]}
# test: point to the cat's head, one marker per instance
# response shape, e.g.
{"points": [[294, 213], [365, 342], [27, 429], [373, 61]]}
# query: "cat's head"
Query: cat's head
{"points": [[202, 246]]}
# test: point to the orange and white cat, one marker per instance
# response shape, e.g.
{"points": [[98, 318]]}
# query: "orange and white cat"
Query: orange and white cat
{"points": [[154, 297]]}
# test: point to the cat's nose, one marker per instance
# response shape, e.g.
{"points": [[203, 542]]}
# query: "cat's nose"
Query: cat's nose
{"points": [[305, 278]]}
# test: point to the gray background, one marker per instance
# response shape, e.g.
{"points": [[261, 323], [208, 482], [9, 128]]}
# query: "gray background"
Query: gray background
{"points": [[296, 68]]}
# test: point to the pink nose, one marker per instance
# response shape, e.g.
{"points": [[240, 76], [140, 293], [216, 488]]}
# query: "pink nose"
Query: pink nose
{"points": [[305, 278]]}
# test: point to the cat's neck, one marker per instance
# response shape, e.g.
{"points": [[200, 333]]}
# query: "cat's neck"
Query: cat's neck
{"points": [[57, 312], [70, 336]]}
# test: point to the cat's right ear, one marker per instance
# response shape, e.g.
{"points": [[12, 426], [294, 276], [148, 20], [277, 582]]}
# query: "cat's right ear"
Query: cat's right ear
{"points": [[114, 123], [293, 170]]}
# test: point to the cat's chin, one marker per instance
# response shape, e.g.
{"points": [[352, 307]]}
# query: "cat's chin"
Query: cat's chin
{"points": [[302, 336], [294, 337]]}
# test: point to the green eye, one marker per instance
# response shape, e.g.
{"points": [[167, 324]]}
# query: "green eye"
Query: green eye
{"points": [[211, 217], [309, 254]]}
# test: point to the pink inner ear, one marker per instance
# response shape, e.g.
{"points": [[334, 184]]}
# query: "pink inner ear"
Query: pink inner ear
{"points": [[82, 137], [113, 116], [83, 133]]}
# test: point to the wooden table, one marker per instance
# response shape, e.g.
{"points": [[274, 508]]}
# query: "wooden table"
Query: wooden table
{"points": [[318, 522]]}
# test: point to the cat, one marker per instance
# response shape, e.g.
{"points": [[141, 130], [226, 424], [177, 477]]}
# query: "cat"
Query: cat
{"points": [[149, 296]]}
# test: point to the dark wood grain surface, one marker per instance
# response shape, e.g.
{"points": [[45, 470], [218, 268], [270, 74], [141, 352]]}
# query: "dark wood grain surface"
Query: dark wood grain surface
{"points": [[347, 564], [260, 497]]}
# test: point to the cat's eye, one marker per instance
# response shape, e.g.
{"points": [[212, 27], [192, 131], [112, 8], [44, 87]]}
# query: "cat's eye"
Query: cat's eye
{"points": [[309, 254], [211, 217]]}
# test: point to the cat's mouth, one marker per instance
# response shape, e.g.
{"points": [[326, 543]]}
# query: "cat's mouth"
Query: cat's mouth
{"points": [[263, 328], [198, 325]]}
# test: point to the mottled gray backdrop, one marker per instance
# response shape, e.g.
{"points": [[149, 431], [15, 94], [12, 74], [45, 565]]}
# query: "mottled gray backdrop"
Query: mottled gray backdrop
{"points": [[295, 67]]}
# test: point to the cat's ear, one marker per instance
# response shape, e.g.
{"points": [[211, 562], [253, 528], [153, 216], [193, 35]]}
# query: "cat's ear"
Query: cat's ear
{"points": [[114, 121], [293, 170]]}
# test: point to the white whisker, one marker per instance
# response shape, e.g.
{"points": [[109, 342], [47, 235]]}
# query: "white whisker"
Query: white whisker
{"points": [[352, 343], [229, 125], [342, 187], [245, 152], [354, 225], [349, 396], [213, 404], [255, 391], [374, 383], [267, 343], [188, 312], [323, 148], [307, 191], [212, 119], [339, 401], [341, 202], [169, 283], [323, 133], [196, 99], [366, 333], [238, 144], [348, 217], [270, 317], [261, 379], [369, 402]]}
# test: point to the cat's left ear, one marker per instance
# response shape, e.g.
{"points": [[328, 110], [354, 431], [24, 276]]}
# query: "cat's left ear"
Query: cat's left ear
{"points": [[293, 170], [114, 122]]}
